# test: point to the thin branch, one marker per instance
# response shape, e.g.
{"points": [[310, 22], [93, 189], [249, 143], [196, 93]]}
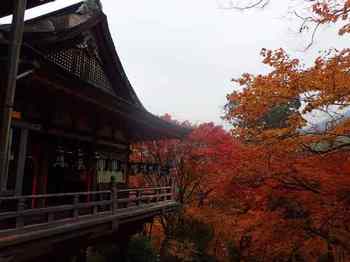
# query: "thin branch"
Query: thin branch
{"points": [[261, 3]]}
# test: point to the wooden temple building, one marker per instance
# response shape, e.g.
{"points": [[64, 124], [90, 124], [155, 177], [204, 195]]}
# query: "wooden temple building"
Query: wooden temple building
{"points": [[74, 117]]}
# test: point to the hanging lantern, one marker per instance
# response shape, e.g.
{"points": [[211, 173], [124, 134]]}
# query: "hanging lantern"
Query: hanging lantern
{"points": [[60, 160], [80, 160], [149, 168], [154, 168], [135, 168], [159, 168], [143, 168], [138, 168], [69, 158], [164, 171], [168, 171], [97, 155]]}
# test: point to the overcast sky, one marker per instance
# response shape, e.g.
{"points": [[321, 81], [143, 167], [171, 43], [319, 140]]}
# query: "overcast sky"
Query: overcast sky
{"points": [[180, 55]]}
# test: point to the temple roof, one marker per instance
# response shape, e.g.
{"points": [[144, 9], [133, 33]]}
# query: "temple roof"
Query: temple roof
{"points": [[77, 42]]}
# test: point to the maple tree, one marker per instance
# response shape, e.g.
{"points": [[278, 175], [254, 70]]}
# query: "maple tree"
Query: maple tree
{"points": [[288, 198], [277, 187], [197, 163], [194, 160], [299, 178]]}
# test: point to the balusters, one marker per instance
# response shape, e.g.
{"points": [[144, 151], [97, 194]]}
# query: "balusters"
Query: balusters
{"points": [[114, 199], [95, 210], [20, 208], [76, 207], [106, 202], [168, 194]]}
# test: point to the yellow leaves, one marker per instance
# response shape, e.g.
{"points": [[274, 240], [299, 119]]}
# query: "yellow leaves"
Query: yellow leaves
{"points": [[267, 100]]}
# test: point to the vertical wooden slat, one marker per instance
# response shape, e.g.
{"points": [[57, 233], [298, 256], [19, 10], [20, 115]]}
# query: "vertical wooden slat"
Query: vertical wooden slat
{"points": [[21, 161], [114, 199], [95, 210], [20, 209], [76, 209], [43, 162], [7, 164]]}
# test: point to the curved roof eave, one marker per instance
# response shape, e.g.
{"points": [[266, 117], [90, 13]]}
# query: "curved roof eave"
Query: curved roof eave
{"points": [[98, 22]]}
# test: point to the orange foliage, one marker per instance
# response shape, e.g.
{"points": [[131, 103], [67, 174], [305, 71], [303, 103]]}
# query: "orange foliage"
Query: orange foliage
{"points": [[276, 188], [294, 195], [196, 161], [332, 11]]}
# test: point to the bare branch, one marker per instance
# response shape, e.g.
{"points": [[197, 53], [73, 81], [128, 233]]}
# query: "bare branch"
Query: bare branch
{"points": [[258, 3]]}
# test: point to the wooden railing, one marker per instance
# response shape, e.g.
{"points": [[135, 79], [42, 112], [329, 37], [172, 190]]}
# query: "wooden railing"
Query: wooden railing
{"points": [[20, 212]]}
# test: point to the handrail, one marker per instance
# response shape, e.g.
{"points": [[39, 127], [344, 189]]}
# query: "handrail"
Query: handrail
{"points": [[81, 193], [77, 207], [56, 195], [143, 189]]}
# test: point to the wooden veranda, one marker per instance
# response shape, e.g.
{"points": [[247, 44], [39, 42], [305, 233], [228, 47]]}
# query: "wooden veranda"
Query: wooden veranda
{"points": [[27, 232]]}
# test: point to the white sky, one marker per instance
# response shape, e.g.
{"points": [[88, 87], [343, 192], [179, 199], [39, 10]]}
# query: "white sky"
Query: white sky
{"points": [[180, 55]]}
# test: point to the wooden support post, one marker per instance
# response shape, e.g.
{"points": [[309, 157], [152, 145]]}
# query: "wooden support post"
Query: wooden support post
{"points": [[43, 168], [76, 209], [126, 170], [114, 198], [9, 88], [21, 161], [94, 208], [20, 209]]}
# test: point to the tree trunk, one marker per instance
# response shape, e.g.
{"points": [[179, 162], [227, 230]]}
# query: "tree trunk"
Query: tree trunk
{"points": [[163, 249]]}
